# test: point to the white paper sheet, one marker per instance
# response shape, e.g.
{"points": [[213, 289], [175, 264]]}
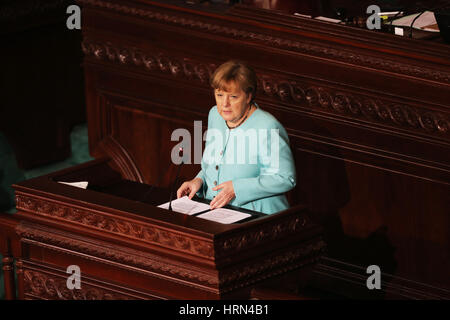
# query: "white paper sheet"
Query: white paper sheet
{"points": [[328, 19], [225, 216], [80, 184], [426, 20], [302, 15], [186, 206]]}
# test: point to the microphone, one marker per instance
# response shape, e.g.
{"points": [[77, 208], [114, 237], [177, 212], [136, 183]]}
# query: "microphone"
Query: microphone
{"points": [[176, 179]]}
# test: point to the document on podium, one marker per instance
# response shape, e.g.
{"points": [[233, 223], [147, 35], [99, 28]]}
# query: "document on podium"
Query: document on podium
{"points": [[81, 184], [425, 21], [203, 210], [223, 215], [186, 206]]}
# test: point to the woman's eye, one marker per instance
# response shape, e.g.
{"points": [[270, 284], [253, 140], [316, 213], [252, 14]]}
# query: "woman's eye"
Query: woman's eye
{"points": [[234, 97]]}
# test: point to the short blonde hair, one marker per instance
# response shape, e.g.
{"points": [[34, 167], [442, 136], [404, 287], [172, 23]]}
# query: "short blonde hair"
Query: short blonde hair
{"points": [[238, 72]]}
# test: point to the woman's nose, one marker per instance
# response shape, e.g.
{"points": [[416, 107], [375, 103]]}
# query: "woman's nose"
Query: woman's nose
{"points": [[227, 101]]}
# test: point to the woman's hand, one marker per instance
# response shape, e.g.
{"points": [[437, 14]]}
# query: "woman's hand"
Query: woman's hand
{"points": [[189, 188], [225, 196]]}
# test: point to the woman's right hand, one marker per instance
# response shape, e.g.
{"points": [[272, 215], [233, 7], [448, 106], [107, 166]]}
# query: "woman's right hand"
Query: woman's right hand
{"points": [[189, 188]]}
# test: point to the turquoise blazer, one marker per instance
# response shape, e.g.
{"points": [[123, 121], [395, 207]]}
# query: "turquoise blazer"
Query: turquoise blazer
{"points": [[256, 157]]}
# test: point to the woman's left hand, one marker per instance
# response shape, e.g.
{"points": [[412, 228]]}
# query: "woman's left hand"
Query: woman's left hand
{"points": [[225, 196]]}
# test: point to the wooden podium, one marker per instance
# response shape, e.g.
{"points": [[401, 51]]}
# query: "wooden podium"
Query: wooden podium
{"points": [[127, 248]]}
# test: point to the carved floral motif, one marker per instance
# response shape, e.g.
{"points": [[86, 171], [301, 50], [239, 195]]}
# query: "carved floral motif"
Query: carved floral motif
{"points": [[318, 98], [148, 262], [92, 219], [306, 253], [274, 41], [229, 279], [150, 61], [268, 233], [45, 286]]}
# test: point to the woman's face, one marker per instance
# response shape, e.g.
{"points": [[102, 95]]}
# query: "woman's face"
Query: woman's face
{"points": [[232, 104]]}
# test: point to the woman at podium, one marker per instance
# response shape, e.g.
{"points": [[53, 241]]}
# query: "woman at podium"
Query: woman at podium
{"points": [[247, 161]]}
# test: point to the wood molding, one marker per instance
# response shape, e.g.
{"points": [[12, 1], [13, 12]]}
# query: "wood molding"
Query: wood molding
{"points": [[96, 220], [43, 286], [272, 266], [107, 254], [298, 94], [121, 158], [228, 280], [234, 244], [156, 61], [310, 48]]}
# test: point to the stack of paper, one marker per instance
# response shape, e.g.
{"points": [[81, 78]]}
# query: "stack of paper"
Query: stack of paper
{"points": [[426, 21], [186, 206], [328, 19], [223, 215], [191, 207], [81, 184]]}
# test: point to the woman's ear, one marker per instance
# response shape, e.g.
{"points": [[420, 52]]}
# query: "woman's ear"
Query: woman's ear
{"points": [[249, 97]]}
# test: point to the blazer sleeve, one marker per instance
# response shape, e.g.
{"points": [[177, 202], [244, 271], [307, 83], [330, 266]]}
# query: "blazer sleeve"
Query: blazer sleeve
{"points": [[201, 192], [277, 174]]}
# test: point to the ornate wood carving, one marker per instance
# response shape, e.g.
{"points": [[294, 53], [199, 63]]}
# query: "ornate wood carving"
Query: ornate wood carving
{"points": [[40, 285], [8, 277], [152, 234], [121, 158], [159, 62], [228, 279], [20, 279], [276, 41], [7, 263], [93, 219], [127, 256], [270, 232], [357, 106], [294, 92], [306, 253]]}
